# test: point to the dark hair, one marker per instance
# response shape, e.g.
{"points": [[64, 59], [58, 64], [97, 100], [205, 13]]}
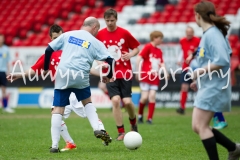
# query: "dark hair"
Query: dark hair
{"points": [[155, 34], [55, 28], [110, 12], [207, 11]]}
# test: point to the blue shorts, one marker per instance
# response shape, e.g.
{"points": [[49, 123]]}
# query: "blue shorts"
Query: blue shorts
{"points": [[61, 97], [3, 79], [187, 77]]}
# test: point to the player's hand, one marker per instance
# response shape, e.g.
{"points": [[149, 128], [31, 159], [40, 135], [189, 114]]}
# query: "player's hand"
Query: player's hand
{"points": [[126, 56], [13, 77], [107, 80], [193, 86], [105, 66]]}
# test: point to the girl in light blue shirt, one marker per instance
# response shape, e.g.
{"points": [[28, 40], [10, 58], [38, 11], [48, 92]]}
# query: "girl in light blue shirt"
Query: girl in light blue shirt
{"points": [[212, 80]]}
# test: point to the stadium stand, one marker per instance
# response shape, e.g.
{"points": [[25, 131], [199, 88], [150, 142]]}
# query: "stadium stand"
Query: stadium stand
{"points": [[26, 22]]}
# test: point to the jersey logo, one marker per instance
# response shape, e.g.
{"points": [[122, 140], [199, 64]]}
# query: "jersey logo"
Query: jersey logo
{"points": [[79, 42], [200, 52], [3, 55]]}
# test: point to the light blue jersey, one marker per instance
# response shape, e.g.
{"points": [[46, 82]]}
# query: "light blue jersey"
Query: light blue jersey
{"points": [[4, 58], [79, 50], [214, 94]]}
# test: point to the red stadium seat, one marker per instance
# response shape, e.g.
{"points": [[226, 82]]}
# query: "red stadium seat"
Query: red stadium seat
{"points": [[78, 8], [233, 39], [37, 27], [156, 15], [64, 14], [152, 20], [23, 33], [142, 21]]}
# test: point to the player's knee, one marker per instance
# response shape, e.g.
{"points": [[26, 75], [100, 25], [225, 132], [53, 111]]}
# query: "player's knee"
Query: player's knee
{"points": [[143, 100], [116, 100], [195, 128], [127, 102], [152, 99]]}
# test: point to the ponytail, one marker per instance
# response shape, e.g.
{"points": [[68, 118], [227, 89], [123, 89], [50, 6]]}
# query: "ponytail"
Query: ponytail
{"points": [[207, 11], [221, 23]]}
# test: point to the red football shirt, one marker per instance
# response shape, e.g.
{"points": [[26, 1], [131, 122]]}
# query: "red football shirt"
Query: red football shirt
{"points": [[152, 58], [188, 45], [116, 42], [55, 58]]}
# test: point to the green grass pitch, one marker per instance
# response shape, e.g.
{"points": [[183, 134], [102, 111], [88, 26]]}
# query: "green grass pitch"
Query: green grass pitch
{"points": [[25, 135]]}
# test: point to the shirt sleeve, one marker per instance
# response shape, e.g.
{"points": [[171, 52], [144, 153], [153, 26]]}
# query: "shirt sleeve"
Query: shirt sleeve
{"points": [[132, 42], [39, 64], [101, 53], [58, 43], [218, 51], [144, 52]]}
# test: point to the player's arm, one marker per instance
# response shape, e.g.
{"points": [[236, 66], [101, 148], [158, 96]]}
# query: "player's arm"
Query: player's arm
{"points": [[48, 54], [163, 67], [95, 72], [219, 58], [133, 45], [13, 77], [102, 54], [52, 46]]}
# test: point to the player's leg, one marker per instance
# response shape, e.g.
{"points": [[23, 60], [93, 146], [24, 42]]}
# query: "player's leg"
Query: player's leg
{"points": [[126, 95], [219, 121], [85, 96], [143, 100], [3, 84], [114, 93], [60, 101], [67, 138], [183, 93], [200, 123], [64, 130], [151, 104]]}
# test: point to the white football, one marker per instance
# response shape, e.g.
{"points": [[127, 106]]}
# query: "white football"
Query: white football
{"points": [[132, 140]]}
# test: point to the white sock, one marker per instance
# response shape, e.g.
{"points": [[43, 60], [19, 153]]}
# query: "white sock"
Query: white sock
{"points": [[100, 125], [56, 129], [92, 116], [64, 133]]}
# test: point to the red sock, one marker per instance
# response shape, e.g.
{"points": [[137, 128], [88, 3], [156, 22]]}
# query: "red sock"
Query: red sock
{"points": [[132, 121], [183, 99], [151, 108], [141, 108], [121, 129]]}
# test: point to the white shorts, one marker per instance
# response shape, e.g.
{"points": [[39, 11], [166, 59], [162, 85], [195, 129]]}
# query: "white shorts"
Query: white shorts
{"points": [[74, 106], [146, 87]]}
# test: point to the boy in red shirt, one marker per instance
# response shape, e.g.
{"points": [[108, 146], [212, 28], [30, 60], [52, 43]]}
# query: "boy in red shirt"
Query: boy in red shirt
{"points": [[151, 59], [189, 45], [119, 41]]}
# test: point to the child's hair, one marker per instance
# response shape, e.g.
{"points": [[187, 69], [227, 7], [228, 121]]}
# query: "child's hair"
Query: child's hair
{"points": [[207, 11], [55, 28], [156, 34]]}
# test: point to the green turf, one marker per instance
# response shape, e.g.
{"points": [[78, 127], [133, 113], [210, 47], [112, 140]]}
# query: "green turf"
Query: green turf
{"points": [[26, 135]]}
